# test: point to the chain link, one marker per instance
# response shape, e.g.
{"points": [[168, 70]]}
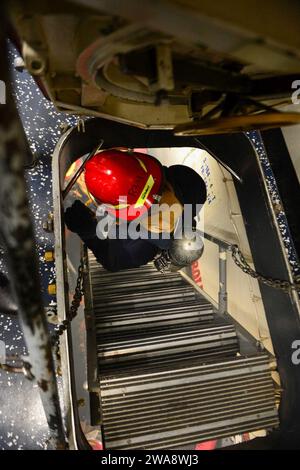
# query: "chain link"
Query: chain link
{"points": [[241, 262], [55, 337], [23, 366]]}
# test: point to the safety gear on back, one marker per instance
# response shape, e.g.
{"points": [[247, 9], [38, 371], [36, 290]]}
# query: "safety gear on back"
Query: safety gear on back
{"points": [[182, 252], [127, 183]]}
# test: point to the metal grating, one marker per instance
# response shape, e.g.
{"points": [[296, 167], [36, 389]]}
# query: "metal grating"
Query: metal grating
{"points": [[183, 405], [167, 365], [167, 345]]}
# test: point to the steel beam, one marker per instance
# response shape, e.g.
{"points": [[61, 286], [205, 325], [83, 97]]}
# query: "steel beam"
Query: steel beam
{"points": [[20, 248]]}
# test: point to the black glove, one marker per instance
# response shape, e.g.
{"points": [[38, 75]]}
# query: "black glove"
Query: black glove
{"points": [[162, 261], [81, 220]]}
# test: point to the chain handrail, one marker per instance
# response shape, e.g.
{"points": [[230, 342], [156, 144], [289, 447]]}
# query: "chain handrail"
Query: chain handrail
{"points": [[73, 309], [241, 262]]}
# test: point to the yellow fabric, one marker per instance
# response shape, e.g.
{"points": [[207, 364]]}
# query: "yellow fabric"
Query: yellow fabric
{"points": [[164, 219]]}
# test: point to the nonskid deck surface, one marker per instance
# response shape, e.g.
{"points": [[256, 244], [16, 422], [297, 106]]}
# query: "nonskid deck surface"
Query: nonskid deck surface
{"points": [[169, 370]]}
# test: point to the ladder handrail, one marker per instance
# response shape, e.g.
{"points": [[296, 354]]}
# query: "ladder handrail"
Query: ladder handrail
{"points": [[218, 241], [223, 248]]}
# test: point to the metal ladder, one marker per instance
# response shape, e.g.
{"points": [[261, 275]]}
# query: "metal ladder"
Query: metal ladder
{"points": [[169, 368]]}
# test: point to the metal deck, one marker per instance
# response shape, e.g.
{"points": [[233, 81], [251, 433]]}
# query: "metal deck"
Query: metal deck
{"points": [[169, 368]]}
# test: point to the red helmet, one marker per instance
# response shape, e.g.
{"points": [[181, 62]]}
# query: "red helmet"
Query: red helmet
{"points": [[128, 183]]}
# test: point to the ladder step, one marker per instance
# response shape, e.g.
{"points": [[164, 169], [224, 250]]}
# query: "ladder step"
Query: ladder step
{"points": [[156, 363], [159, 316], [96, 268], [187, 404], [136, 295], [139, 301], [120, 335], [131, 350], [136, 281]]}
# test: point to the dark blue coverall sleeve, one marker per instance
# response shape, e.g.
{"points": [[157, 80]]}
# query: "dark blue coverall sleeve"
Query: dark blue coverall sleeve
{"points": [[115, 255]]}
